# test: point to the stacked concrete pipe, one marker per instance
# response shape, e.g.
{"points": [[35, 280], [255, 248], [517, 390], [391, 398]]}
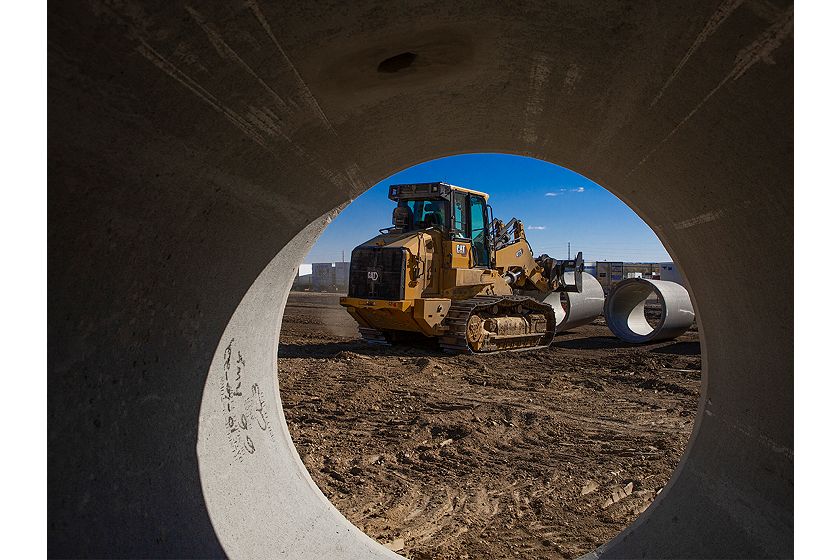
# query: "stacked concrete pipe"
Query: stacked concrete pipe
{"points": [[625, 310], [196, 151]]}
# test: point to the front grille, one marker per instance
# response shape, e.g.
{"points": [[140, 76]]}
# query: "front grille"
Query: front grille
{"points": [[377, 273]]}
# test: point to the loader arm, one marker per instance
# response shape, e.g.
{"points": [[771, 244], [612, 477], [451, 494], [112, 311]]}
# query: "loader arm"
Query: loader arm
{"points": [[515, 261]]}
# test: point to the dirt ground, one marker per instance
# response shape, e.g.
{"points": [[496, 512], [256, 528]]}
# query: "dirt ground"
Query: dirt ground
{"points": [[541, 454]]}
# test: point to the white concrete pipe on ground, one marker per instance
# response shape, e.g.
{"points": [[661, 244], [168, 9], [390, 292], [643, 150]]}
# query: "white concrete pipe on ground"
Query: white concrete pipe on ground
{"points": [[580, 308], [625, 310]]}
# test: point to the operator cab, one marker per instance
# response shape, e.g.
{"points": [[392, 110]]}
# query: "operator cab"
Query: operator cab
{"points": [[461, 213]]}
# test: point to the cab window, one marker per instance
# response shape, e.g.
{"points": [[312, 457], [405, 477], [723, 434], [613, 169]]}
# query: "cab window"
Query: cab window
{"points": [[459, 215], [478, 232], [426, 213]]}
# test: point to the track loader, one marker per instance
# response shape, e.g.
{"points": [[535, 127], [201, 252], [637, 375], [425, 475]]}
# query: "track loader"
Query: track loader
{"points": [[447, 269]]}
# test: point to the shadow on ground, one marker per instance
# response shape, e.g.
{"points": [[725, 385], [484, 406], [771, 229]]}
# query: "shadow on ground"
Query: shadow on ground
{"points": [[428, 347], [330, 349], [685, 348], [592, 343]]}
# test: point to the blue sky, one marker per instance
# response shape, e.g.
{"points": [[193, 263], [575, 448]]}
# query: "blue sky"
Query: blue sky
{"points": [[555, 204]]}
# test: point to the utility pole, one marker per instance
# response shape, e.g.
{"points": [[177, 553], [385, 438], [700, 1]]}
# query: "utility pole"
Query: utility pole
{"points": [[342, 255], [569, 250]]}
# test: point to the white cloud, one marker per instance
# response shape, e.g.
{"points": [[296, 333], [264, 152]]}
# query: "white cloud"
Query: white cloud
{"points": [[561, 191], [536, 227]]}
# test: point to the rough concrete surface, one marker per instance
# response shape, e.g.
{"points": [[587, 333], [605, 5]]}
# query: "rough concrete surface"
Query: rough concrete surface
{"points": [[189, 145]]}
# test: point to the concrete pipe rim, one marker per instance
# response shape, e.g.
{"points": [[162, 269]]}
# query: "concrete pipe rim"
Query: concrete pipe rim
{"points": [[625, 310], [346, 534]]}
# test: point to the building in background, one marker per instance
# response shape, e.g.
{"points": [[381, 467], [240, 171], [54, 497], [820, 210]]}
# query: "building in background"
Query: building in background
{"points": [[342, 276], [641, 270], [609, 273], [325, 277], [669, 271], [335, 277]]}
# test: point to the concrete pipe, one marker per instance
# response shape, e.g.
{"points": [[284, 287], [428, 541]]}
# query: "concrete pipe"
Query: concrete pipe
{"points": [[625, 310], [579, 308], [196, 150]]}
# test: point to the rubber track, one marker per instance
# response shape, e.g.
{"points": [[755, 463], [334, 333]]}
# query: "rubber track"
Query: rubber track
{"points": [[374, 336], [460, 312]]}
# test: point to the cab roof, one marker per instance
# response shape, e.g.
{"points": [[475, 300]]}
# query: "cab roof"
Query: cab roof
{"points": [[415, 190]]}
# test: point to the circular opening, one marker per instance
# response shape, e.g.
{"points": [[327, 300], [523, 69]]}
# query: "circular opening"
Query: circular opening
{"points": [[551, 451], [563, 309], [396, 63], [653, 310], [629, 308]]}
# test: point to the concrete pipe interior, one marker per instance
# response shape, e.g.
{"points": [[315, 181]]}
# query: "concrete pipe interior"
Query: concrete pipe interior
{"points": [[188, 145], [630, 310], [576, 309], [626, 310]]}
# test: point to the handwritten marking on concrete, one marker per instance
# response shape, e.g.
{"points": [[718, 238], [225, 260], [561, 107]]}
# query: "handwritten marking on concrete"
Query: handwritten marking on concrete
{"points": [[244, 409]]}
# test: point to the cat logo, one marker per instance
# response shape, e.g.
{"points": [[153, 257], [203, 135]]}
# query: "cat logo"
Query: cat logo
{"points": [[461, 249], [373, 275]]}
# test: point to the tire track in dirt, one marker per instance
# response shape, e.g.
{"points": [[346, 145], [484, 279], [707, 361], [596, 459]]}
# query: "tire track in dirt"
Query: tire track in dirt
{"points": [[488, 457]]}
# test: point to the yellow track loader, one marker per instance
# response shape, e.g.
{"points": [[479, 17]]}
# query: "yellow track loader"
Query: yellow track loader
{"points": [[447, 269]]}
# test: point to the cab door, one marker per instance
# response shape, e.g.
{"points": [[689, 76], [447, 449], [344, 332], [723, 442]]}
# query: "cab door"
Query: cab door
{"points": [[478, 232], [459, 242]]}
